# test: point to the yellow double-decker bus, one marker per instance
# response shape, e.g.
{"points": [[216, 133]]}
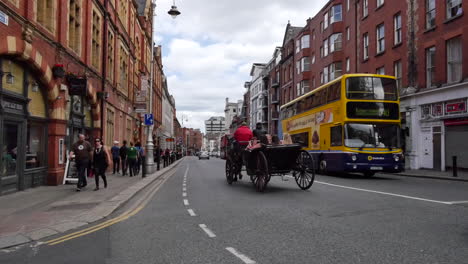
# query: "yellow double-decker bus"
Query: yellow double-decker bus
{"points": [[351, 124]]}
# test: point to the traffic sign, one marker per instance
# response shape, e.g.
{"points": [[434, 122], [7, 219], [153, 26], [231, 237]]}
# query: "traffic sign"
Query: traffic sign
{"points": [[149, 119]]}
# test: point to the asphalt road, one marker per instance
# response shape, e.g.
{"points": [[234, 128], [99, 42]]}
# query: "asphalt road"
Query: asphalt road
{"points": [[340, 219]]}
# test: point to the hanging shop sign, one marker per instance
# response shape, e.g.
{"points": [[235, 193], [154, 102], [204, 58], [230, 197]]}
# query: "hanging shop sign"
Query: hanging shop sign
{"points": [[77, 85], [140, 107], [455, 107]]}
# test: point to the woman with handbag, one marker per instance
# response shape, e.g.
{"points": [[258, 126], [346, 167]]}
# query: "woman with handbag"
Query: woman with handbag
{"points": [[101, 160]]}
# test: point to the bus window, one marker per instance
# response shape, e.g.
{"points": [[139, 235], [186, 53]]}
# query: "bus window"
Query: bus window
{"points": [[334, 92], [301, 138], [336, 134], [323, 96], [371, 88]]}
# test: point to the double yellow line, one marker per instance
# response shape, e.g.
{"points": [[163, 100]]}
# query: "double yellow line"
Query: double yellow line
{"points": [[143, 202], [95, 228]]}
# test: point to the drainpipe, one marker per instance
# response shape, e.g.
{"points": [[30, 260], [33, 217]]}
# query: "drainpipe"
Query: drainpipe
{"points": [[356, 61], [104, 65]]}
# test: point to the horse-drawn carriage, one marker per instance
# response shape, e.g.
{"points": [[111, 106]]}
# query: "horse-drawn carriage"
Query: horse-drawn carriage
{"points": [[266, 160]]}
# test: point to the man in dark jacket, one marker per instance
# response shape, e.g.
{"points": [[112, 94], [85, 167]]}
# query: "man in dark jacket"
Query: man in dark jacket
{"points": [[81, 151], [123, 157], [116, 156], [258, 131]]}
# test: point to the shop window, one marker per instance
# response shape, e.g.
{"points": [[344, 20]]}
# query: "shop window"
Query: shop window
{"points": [[336, 134], [96, 40], [74, 25], [35, 148], [46, 14]]}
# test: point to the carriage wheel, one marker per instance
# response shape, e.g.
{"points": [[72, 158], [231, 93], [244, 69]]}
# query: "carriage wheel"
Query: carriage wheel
{"points": [[261, 173], [304, 173], [229, 168]]}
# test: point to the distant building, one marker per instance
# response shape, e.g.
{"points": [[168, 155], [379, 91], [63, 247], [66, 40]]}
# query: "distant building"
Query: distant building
{"points": [[230, 111], [215, 125], [258, 96]]}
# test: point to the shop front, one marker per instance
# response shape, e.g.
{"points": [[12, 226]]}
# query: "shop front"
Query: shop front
{"points": [[24, 127]]}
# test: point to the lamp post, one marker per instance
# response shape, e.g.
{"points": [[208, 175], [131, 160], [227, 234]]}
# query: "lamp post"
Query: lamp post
{"points": [[149, 141]]}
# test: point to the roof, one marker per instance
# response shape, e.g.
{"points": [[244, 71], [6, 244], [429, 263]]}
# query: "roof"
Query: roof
{"points": [[290, 33]]}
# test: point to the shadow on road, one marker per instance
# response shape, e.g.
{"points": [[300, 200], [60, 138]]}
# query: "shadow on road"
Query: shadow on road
{"points": [[356, 176]]}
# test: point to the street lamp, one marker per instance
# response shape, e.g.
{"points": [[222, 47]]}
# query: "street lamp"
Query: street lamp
{"points": [[149, 142], [173, 11]]}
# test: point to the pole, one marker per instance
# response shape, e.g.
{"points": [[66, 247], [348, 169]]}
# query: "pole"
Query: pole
{"points": [[149, 142]]}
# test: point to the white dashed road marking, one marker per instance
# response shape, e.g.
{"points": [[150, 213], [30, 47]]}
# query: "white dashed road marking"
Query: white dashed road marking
{"points": [[186, 202], [391, 194], [243, 257], [191, 212], [207, 231], [184, 194]]}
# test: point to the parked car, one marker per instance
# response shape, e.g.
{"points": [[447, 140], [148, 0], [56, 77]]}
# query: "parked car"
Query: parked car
{"points": [[203, 155]]}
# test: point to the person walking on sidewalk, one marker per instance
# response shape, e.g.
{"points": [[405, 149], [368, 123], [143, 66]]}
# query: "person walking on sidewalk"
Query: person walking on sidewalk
{"points": [[116, 156], [141, 156], [101, 160], [132, 156], [123, 157], [81, 152]]}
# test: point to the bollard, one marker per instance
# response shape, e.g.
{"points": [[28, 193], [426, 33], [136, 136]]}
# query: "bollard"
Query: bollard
{"points": [[454, 166], [143, 167]]}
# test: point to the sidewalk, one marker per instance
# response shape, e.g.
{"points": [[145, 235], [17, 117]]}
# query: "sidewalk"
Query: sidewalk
{"points": [[48, 210], [432, 174]]}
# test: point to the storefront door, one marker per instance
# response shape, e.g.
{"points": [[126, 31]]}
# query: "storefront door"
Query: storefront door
{"points": [[11, 157]]}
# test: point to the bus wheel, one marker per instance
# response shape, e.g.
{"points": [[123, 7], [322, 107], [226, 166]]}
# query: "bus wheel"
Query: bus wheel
{"points": [[323, 166], [369, 174]]}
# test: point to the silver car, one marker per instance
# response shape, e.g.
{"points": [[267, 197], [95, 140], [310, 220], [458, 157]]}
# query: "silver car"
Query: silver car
{"points": [[203, 155]]}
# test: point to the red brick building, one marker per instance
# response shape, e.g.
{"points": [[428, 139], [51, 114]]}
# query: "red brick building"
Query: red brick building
{"points": [[421, 42], [68, 67]]}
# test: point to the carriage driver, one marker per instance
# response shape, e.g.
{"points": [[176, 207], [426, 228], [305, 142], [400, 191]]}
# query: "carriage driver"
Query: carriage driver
{"points": [[243, 135]]}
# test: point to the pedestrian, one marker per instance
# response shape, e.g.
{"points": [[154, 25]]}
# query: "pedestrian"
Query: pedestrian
{"points": [[141, 156], [167, 155], [116, 156], [101, 160], [157, 156], [81, 151], [132, 156], [123, 157]]}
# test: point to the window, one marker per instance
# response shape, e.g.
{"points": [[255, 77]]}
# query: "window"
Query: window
{"points": [[110, 55], [454, 8], [335, 14], [335, 70], [321, 52], [380, 70], [35, 148], [123, 12], [298, 45], [123, 69], [348, 64], [380, 38], [430, 14], [325, 74], [110, 127], [397, 73], [365, 8], [336, 134], [348, 33], [321, 78], [347, 5], [321, 26], [325, 21], [304, 86], [129, 130], [298, 67], [430, 66], [305, 41], [46, 14], [96, 40], [397, 29], [380, 2], [74, 25], [313, 58], [335, 42], [454, 60], [305, 64], [365, 42], [298, 89], [325, 48]]}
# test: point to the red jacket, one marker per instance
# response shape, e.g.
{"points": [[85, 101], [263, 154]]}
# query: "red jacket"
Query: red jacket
{"points": [[243, 134]]}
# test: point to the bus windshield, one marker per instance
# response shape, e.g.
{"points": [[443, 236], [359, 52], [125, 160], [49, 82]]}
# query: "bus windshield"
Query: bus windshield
{"points": [[371, 88], [359, 135]]}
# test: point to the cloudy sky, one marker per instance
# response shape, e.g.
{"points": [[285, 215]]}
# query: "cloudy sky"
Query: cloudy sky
{"points": [[209, 49]]}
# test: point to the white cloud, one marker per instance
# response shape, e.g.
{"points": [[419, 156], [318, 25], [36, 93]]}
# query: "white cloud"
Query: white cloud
{"points": [[209, 49]]}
